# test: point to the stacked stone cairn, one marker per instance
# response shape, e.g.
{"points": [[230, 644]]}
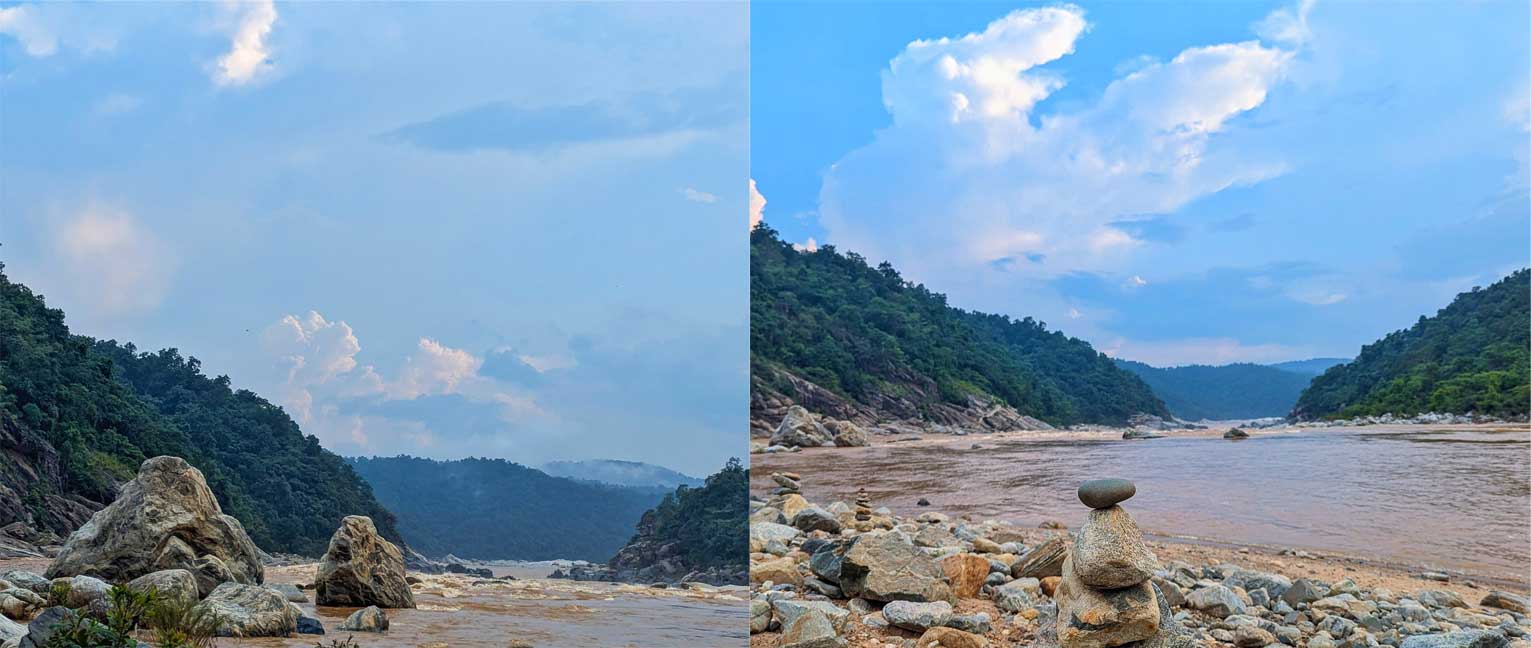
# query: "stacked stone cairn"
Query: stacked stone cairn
{"points": [[863, 507], [1106, 597], [787, 483]]}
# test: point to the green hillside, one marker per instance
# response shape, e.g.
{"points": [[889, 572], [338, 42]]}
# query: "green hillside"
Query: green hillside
{"points": [[1233, 391], [862, 332], [1470, 357]]}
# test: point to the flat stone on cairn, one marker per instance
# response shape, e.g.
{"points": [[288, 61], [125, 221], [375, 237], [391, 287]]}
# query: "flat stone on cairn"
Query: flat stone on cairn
{"points": [[1106, 493], [788, 483], [1105, 598]]}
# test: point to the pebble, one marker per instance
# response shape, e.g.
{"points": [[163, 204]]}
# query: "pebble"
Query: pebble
{"points": [[1105, 493]]}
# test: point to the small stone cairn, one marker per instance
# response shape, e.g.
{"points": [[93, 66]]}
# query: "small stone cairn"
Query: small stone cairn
{"points": [[787, 483], [1106, 597], [863, 506]]}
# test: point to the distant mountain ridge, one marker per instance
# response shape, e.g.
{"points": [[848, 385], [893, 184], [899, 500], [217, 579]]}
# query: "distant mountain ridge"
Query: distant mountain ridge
{"points": [[1233, 391], [850, 341], [1470, 357], [497, 509], [621, 473], [1311, 366]]}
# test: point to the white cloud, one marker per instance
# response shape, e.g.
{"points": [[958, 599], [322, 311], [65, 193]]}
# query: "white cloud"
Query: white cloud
{"points": [[810, 246], [970, 173], [435, 369], [1209, 351], [757, 205], [249, 55], [23, 23], [1136, 281], [112, 263], [698, 196]]}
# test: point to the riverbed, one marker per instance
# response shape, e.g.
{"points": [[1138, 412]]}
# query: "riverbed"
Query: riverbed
{"points": [[1454, 498]]}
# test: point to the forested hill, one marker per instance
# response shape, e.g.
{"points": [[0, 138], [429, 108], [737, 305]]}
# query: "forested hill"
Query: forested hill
{"points": [[868, 335], [1233, 391], [77, 417], [697, 528], [493, 509], [1472, 356], [1311, 366]]}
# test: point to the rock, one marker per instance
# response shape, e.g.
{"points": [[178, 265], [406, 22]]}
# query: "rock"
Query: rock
{"points": [[1303, 591], [1017, 595], [1461, 639], [918, 617], [368, 619], [788, 610], [1506, 601], [40, 630], [825, 562], [763, 532], [309, 626], [19, 602], [1105, 493], [1169, 592], [966, 573], [986, 546], [84, 592], [886, 566], [950, 638], [1251, 636], [1092, 618], [1109, 552], [922, 502], [1440, 599], [1050, 584], [781, 570], [1043, 561], [165, 518], [1274, 584], [760, 615], [847, 434], [798, 429], [1216, 600], [169, 583], [291, 592], [814, 518], [974, 623], [28, 580], [1235, 434], [250, 611], [11, 633], [811, 630], [360, 568]]}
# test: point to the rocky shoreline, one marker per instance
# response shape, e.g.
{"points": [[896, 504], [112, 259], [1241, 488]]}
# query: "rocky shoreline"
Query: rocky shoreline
{"points": [[990, 583]]}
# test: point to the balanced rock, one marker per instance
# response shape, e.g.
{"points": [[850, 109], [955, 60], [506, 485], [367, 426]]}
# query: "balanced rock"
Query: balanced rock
{"points": [[863, 506], [166, 518], [250, 611], [1096, 618], [886, 566], [1105, 493], [361, 568], [1109, 552]]}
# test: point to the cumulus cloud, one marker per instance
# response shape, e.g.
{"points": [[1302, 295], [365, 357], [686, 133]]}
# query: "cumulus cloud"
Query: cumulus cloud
{"points": [[112, 264], [249, 55], [23, 23], [810, 246], [971, 174], [698, 196], [757, 205]]}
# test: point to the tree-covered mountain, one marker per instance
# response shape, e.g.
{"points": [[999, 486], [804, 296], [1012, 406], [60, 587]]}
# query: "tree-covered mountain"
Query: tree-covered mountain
{"points": [[1311, 366], [699, 528], [868, 335], [77, 417], [620, 473], [1471, 357], [494, 509], [1233, 391]]}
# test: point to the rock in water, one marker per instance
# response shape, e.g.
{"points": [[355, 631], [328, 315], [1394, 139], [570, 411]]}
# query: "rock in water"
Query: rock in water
{"points": [[166, 518], [1093, 618], [368, 619], [1105, 493], [1109, 552], [361, 568], [250, 611], [887, 566]]}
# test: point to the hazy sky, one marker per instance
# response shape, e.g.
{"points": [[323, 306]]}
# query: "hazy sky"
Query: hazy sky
{"points": [[1175, 182], [442, 229]]}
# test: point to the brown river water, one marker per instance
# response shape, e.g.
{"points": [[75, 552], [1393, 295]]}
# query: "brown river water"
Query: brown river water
{"points": [[1439, 498]]}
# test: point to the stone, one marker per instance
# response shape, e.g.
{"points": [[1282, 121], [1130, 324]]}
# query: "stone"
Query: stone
{"points": [[1105, 493], [811, 630], [763, 532], [1303, 591], [165, 518], [779, 571], [84, 592], [950, 638], [1235, 434], [1506, 601], [1460, 639], [788, 610], [250, 611], [1169, 592], [917, 617], [1044, 560], [1251, 636], [28, 580], [1093, 618], [11, 633], [814, 518], [20, 603], [308, 625], [40, 630], [825, 561], [986, 546], [361, 568], [799, 429], [760, 615], [846, 434], [974, 623], [966, 573], [169, 583], [1216, 600], [1274, 584], [1050, 584], [367, 619], [1441, 599], [292, 592], [1109, 552], [886, 566], [1017, 595]]}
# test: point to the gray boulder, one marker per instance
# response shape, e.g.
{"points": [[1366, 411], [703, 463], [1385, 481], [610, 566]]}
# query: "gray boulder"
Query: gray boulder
{"points": [[165, 518], [847, 434], [289, 591], [1461, 639], [814, 518], [788, 610], [1216, 600], [1043, 561], [798, 428], [1274, 584], [367, 619], [886, 566], [1018, 594], [917, 617], [1109, 552], [361, 568], [169, 583], [28, 580], [40, 630], [250, 611], [1303, 591]]}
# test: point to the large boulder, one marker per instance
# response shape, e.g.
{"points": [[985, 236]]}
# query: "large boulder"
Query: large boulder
{"points": [[250, 611], [166, 518], [361, 568], [798, 428], [847, 434], [168, 583], [886, 566]]}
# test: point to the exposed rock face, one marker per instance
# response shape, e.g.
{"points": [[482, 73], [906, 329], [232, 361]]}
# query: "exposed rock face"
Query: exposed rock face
{"points": [[166, 518], [251, 611], [886, 566], [361, 568], [1109, 551]]}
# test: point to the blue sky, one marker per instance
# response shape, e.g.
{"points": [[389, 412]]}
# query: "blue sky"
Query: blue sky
{"points": [[1175, 182], [442, 229]]}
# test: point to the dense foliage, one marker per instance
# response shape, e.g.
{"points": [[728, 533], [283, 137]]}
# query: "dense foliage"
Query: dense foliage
{"points": [[105, 408], [711, 522], [1233, 391], [1471, 357], [492, 509], [861, 331]]}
